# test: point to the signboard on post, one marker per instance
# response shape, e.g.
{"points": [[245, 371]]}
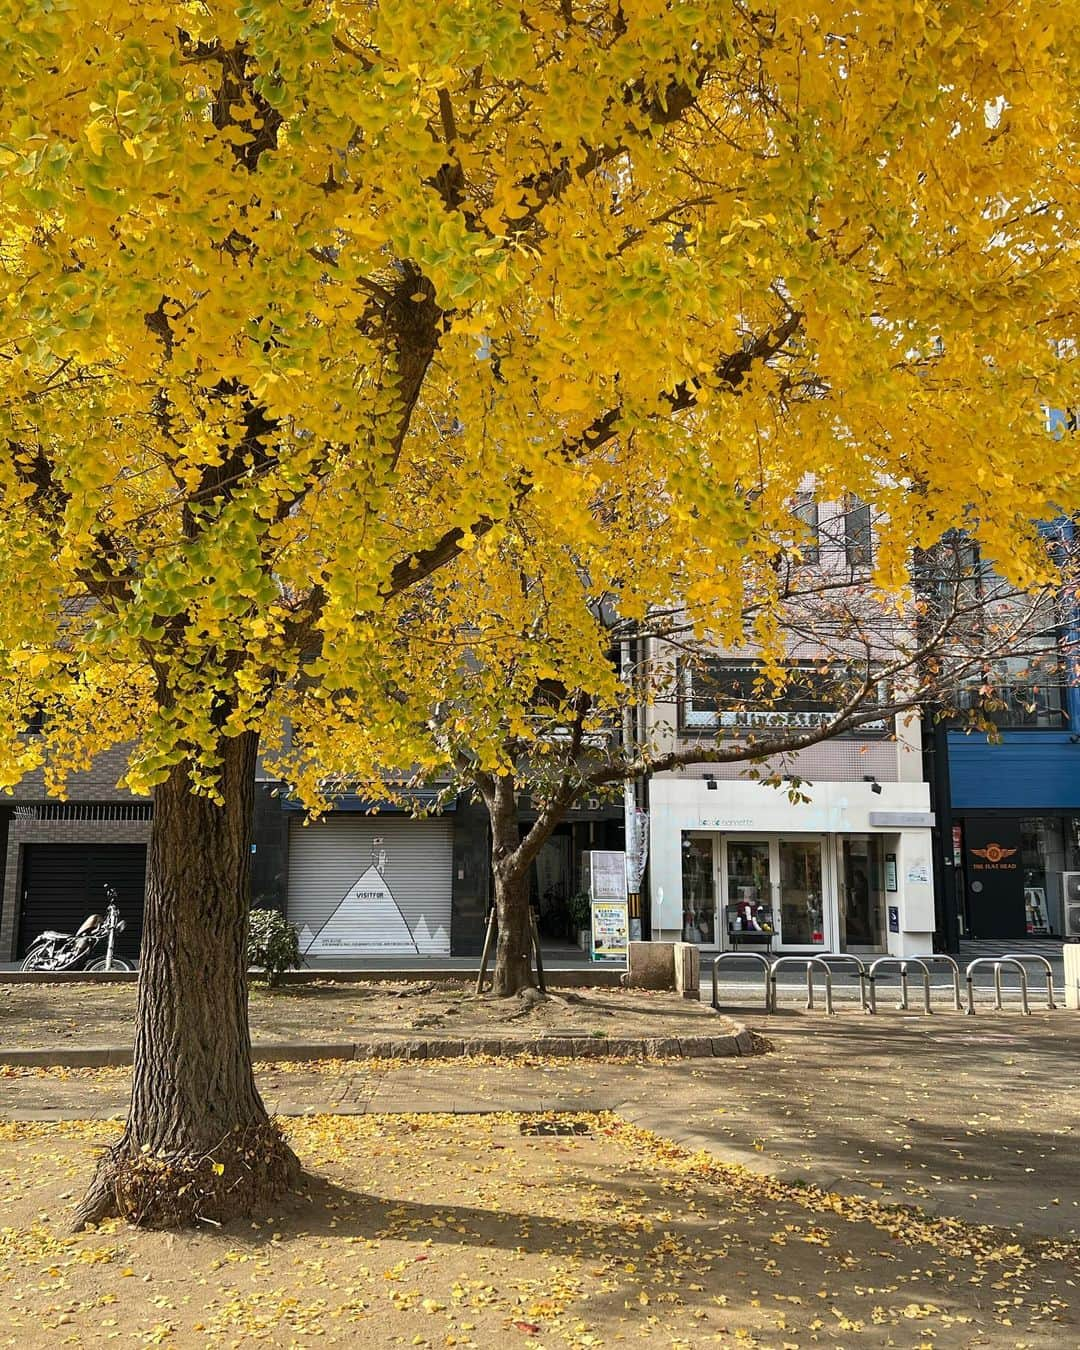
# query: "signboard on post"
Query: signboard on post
{"points": [[609, 935], [606, 877]]}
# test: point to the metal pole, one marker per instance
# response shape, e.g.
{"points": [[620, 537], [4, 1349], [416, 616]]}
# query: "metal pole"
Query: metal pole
{"points": [[487, 951], [828, 991], [902, 1006], [536, 951]]}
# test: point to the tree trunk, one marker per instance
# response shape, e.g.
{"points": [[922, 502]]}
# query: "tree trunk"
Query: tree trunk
{"points": [[513, 949], [198, 1143]]}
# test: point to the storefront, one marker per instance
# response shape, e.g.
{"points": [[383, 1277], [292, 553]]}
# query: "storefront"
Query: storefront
{"points": [[1016, 829], [362, 885], [1015, 873], [848, 871]]}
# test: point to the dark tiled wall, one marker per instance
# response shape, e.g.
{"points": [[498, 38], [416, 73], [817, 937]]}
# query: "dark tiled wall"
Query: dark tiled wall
{"points": [[270, 860], [469, 900]]}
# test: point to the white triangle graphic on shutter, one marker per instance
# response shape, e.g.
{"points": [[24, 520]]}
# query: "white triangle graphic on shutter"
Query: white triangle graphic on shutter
{"points": [[366, 920]]}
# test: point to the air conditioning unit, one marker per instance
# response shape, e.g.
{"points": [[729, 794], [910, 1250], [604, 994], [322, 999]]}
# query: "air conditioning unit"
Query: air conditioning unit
{"points": [[1070, 890]]}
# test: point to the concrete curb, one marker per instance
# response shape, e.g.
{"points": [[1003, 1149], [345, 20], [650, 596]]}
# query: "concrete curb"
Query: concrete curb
{"points": [[584, 978], [736, 1043]]}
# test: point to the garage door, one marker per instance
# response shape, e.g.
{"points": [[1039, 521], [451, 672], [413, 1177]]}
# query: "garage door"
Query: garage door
{"points": [[360, 886], [63, 883]]}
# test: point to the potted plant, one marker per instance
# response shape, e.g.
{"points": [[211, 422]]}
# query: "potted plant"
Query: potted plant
{"points": [[580, 907]]}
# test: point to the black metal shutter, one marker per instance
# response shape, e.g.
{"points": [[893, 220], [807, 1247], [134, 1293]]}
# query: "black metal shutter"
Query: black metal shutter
{"points": [[63, 883]]}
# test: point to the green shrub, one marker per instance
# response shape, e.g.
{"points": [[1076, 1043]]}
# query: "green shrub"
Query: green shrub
{"points": [[580, 907], [273, 944]]}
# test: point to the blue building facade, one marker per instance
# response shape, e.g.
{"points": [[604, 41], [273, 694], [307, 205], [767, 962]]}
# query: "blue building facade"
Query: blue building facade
{"points": [[1015, 804], [1016, 829]]}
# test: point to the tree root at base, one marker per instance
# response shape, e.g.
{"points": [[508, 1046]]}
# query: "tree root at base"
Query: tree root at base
{"points": [[248, 1169]]}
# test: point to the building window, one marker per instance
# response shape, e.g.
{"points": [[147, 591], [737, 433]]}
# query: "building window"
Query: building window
{"points": [[858, 542], [805, 510], [720, 695], [35, 723], [1022, 693]]}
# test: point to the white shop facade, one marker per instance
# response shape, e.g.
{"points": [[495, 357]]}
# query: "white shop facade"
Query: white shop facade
{"points": [[850, 870]]}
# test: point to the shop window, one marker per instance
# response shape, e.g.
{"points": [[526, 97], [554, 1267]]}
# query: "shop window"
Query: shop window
{"points": [[699, 891], [1043, 859], [862, 901]]}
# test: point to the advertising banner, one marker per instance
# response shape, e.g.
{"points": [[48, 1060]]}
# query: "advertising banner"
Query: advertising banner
{"points": [[609, 930]]}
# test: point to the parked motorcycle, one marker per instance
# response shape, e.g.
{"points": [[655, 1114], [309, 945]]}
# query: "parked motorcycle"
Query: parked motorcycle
{"points": [[75, 951]]}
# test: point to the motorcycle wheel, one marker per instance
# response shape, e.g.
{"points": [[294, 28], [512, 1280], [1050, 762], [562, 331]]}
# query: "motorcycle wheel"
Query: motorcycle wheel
{"points": [[31, 960], [117, 964]]}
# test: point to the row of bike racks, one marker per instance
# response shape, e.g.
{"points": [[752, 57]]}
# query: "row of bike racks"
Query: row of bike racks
{"points": [[869, 976]]}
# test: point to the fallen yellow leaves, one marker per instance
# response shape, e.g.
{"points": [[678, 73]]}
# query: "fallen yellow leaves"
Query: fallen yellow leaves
{"points": [[442, 1229]]}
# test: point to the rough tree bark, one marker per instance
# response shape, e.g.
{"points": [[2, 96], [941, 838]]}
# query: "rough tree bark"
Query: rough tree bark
{"points": [[513, 950], [198, 1143]]}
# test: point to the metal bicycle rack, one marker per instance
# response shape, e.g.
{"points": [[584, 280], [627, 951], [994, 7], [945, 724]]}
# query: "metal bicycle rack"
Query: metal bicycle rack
{"points": [[811, 964], [759, 957], [1048, 971], [947, 961], [997, 962], [904, 964], [860, 970]]}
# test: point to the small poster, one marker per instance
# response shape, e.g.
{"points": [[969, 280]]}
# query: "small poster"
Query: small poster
{"points": [[890, 872], [607, 875], [609, 930]]}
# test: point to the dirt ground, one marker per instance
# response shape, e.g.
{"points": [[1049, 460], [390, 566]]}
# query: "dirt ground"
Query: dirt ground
{"points": [[35, 1015], [435, 1230]]}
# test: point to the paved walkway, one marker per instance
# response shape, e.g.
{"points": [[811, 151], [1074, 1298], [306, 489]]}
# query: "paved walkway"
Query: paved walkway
{"points": [[973, 1118]]}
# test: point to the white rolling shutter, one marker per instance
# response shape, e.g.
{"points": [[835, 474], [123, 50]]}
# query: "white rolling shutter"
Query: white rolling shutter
{"points": [[352, 895]]}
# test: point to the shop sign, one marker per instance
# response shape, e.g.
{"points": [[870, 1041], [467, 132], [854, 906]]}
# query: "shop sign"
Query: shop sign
{"points": [[902, 820], [894, 918], [609, 930]]}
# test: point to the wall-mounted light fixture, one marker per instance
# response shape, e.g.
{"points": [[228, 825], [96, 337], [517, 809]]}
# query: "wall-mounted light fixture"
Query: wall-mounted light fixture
{"points": [[875, 786], [710, 782]]}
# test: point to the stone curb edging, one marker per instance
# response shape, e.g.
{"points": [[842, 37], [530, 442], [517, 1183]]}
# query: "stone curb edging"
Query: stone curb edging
{"points": [[583, 977], [736, 1043]]}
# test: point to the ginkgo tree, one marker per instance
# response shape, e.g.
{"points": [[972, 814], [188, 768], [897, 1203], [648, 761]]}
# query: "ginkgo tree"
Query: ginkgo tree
{"points": [[301, 302], [525, 678]]}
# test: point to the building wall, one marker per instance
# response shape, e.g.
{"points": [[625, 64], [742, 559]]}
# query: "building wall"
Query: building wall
{"points": [[1035, 770], [1023, 792], [23, 831], [96, 784]]}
